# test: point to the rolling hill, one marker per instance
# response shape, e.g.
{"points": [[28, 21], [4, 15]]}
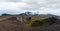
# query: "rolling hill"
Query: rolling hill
{"points": [[19, 23]]}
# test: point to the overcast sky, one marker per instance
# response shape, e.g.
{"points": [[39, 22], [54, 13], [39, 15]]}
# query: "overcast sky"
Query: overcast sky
{"points": [[38, 6]]}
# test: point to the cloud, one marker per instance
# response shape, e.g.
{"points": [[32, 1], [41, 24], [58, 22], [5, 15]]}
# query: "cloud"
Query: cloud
{"points": [[28, 4], [35, 4], [28, 7], [46, 6], [10, 0], [13, 8], [52, 4]]}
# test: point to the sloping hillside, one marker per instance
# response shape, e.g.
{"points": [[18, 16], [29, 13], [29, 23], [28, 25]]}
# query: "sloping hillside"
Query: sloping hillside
{"points": [[14, 24]]}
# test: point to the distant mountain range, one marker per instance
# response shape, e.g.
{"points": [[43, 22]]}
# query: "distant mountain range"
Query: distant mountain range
{"points": [[30, 14]]}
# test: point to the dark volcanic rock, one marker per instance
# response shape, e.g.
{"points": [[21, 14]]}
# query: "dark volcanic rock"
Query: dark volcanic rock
{"points": [[52, 20]]}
